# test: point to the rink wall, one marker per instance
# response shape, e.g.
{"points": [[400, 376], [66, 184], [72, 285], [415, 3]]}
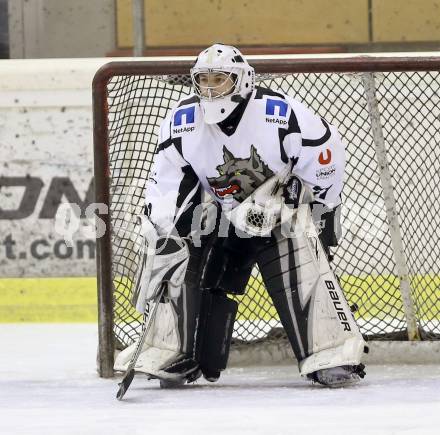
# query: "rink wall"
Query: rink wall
{"points": [[46, 159], [380, 352]]}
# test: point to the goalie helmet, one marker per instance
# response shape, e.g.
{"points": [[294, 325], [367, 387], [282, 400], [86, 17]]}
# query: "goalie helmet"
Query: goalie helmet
{"points": [[222, 78]]}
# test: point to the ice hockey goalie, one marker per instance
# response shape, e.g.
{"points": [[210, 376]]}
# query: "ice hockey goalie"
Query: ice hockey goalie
{"points": [[270, 167]]}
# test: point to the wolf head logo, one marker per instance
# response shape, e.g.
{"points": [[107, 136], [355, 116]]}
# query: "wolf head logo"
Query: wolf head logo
{"points": [[239, 177]]}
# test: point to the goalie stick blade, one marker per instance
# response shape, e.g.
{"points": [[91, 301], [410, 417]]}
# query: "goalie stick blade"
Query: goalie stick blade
{"points": [[125, 384]]}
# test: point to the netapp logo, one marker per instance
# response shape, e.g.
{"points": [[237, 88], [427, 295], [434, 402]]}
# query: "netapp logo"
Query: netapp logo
{"points": [[338, 305], [184, 116], [276, 121], [276, 107], [183, 130]]}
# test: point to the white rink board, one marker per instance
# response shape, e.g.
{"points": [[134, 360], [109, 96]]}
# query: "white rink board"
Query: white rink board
{"points": [[51, 388], [46, 158]]}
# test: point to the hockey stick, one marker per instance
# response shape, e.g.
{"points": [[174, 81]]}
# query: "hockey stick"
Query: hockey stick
{"points": [[129, 374]]}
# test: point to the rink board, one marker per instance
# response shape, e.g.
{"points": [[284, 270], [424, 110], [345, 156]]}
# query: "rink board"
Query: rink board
{"points": [[74, 299]]}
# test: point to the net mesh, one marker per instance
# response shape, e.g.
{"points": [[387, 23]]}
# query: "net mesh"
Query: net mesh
{"points": [[364, 260]]}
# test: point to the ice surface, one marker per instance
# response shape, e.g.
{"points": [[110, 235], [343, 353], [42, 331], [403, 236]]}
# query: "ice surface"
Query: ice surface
{"points": [[49, 385]]}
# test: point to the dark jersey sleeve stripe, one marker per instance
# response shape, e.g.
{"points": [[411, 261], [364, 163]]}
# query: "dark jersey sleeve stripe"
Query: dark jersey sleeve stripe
{"points": [[176, 141], [321, 140], [188, 183], [293, 127], [193, 99], [260, 92]]}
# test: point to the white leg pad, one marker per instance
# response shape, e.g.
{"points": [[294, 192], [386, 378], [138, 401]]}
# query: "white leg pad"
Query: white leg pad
{"points": [[348, 353], [161, 346], [334, 336]]}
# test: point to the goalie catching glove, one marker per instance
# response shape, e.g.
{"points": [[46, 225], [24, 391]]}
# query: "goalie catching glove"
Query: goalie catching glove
{"points": [[273, 203]]}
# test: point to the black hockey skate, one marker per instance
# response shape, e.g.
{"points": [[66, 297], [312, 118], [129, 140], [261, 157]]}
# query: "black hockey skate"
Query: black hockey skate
{"points": [[180, 382], [341, 376], [180, 372], [211, 375]]}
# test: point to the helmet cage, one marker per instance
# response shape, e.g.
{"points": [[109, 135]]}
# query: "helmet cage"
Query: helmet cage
{"points": [[217, 100], [214, 91]]}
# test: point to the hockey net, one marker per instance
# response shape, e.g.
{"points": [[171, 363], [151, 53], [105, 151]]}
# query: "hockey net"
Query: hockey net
{"points": [[388, 113]]}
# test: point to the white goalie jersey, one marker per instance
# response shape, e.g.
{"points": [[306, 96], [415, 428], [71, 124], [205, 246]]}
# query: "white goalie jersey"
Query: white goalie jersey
{"points": [[232, 159]]}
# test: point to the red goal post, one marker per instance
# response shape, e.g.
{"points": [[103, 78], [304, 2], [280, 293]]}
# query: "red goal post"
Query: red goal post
{"points": [[387, 110]]}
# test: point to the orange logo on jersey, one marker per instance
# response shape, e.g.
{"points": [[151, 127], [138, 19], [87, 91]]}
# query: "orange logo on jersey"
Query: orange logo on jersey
{"points": [[327, 159]]}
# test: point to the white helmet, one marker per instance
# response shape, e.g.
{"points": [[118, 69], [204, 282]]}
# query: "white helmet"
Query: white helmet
{"points": [[218, 100]]}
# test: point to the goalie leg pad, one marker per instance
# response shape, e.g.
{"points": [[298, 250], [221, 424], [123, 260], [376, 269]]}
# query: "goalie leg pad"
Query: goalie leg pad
{"points": [[214, 333], [168, 263], [168, 349], [281, 274], [163, 354], [310, 303]]}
